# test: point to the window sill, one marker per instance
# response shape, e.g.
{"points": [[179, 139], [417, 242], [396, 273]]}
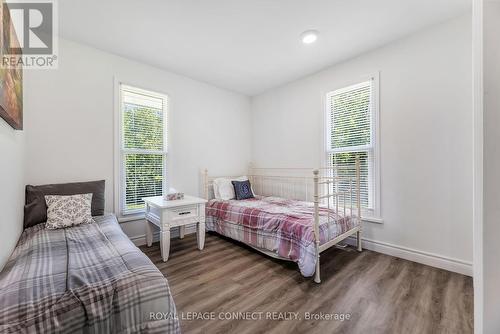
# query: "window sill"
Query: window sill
{"points": [[375, 220], [131, 217]]}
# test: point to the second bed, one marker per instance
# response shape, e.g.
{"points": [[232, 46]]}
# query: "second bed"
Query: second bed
{"points": [[285, 227]]}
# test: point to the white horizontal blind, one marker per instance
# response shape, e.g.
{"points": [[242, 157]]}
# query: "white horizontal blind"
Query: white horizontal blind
{"points": [[144, 143], [350, 134]]}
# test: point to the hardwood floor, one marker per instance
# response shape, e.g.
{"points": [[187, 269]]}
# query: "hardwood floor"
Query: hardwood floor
{"points": [[382, 294]]}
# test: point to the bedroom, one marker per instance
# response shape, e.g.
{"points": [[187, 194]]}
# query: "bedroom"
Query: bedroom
{"points": [[192, 96]]}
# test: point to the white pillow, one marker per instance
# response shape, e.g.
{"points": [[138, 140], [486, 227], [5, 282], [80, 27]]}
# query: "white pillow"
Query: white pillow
{"points": [[216, 189], [223, 188], [67, 211]]}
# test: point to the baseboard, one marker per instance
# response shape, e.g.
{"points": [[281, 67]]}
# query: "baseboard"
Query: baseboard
{"points": [[140, 240], [430, 259]]}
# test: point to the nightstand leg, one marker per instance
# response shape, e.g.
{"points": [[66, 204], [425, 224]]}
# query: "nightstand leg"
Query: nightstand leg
{"points": [[182, 231], [165, 244], [149, 234], [200, 233]]}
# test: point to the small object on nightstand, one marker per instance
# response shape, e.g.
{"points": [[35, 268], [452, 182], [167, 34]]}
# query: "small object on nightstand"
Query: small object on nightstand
{"points": [[177, 213], [173, 195]]}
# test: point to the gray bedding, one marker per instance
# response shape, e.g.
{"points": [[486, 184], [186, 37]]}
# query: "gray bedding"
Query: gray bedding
{"points": [[85, 279]]}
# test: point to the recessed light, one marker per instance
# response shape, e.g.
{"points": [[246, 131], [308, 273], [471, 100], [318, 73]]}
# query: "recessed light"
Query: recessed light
{"points": [[309, 36]]}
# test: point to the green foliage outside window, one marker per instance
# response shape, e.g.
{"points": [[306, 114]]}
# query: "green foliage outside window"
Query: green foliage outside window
{"points": [[351, 131], [142, 130], [351, 118], [349, 159]]}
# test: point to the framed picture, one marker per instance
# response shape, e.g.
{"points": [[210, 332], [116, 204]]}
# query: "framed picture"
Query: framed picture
{"points": [[11, 79]]}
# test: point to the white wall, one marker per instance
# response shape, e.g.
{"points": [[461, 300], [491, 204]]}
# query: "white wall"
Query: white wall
{"points": [[491, 191], [69, 122], [478, 164], [426, 133], [426, 140], [11, 189]]}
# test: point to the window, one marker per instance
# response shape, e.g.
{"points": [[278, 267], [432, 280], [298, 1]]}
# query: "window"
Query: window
{"points": [[143, 147], [351, 132]]}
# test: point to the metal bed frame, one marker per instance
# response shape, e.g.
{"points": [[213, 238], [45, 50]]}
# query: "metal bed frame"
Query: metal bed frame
{"points": [[328, 190]]}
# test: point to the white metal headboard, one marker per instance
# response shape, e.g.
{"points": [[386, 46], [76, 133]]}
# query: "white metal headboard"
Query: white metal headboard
{"points": [[299, 184]]}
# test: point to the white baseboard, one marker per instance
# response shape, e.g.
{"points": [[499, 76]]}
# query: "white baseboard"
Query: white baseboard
{"points": [[430, 259], [140, 240]]}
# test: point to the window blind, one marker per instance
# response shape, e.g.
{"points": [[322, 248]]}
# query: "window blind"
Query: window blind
{"points": [[350, 135], [143, 146]]}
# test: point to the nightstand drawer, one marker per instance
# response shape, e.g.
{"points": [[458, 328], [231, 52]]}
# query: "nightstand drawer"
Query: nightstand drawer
{"points": [[183, 212]]}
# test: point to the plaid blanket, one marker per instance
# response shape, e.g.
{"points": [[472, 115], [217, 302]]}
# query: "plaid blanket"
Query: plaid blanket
{"points": [[85, 279], [282, 226]]}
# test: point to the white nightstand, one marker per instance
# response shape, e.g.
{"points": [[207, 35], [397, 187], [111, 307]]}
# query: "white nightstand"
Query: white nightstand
{"points": [[177, 213]]}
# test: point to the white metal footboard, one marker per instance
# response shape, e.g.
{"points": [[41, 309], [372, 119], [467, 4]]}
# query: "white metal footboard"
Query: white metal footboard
{"points": [[339, 198]]}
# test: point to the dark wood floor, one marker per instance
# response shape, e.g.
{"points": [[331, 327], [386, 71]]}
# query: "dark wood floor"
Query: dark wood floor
{"points": [[382, 294]]}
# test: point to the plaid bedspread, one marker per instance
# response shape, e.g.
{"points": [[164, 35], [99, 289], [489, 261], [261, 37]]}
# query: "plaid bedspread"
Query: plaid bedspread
{"points": [[284, 227], [86, 279]]}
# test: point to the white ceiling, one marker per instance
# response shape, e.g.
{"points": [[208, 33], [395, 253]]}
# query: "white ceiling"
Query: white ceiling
{"points": [[247, 46]]}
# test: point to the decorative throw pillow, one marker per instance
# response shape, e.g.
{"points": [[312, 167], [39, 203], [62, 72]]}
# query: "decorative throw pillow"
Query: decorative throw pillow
{"points": [[224, 189], [242, 189], [67, 211]]}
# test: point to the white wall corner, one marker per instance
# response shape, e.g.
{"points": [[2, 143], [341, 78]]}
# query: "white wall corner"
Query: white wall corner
{"points": [[477, 118]]}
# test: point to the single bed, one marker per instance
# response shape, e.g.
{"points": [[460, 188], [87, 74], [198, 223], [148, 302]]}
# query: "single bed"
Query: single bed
{"points": [[292, 217], [85, 279]]}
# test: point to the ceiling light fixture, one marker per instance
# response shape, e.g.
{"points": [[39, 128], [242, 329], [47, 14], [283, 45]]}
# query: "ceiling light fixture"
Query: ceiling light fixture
{"points": [[309, 36]]}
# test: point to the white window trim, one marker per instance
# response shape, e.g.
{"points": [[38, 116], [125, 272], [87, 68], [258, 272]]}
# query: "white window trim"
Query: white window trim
{"points": [[118, 170], [374, 215]]}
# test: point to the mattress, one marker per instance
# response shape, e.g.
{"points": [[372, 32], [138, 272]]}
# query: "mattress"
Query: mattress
{"points": [[85, 279], [281, 226]]}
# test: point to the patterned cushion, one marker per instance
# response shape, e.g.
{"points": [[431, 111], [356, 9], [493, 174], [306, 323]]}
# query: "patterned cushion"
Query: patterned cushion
{"points": [[242, 189], [67, 211]]}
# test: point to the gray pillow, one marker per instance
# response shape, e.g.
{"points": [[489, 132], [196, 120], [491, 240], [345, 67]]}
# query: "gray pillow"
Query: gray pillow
{"points": [[35, 208]]}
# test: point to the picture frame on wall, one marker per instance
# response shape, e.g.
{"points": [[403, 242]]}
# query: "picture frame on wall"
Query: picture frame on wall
{"points": [[11, 79]]}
